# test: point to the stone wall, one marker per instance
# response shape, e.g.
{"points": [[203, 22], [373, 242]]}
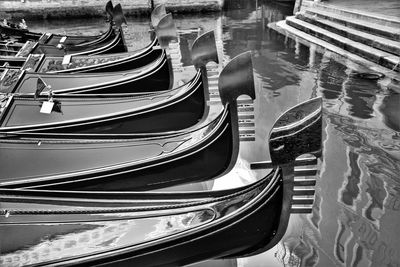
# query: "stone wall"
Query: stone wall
{"points": [[39, 9], [187, 6]]}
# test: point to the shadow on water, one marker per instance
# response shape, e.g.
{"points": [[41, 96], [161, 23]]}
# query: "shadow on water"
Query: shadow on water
{"points": [[356, 211]]}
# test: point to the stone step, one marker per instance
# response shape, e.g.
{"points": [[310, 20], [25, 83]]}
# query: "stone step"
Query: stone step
{"points": [[389, 32], [304, 191], [308, 161], [247, 131], [304, 182], [301, 209], [380, 19], [372, 40], [380, 57], [302, 200], [246, 138], [246, 124]]}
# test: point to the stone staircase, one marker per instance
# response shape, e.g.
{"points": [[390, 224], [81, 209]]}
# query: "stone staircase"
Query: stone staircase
{"points": [[373, 37]]}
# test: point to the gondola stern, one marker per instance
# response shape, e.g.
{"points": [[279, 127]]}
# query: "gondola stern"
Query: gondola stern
{"points": [[166, 31], [296, 132], [204, 50], [237, 79], [109, 11], [118, 16], [157, 14]]}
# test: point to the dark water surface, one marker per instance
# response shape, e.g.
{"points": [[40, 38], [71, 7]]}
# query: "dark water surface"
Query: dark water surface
{"points": [[356, 214]]}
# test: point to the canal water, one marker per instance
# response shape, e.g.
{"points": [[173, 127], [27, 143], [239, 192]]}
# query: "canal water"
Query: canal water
{"points": [[356, 213]]}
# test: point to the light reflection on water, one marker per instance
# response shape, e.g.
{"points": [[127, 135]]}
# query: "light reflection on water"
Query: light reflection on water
{"points": [[356, 211]]}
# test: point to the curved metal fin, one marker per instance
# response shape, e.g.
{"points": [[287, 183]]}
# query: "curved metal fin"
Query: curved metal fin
{"points": [[296, 132], [119, 17], [40, 86], [166, 30], [204, 50], [237, 78], [156, 15], [109, 10]]}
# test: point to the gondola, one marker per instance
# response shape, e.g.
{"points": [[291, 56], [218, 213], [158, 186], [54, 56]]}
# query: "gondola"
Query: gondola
{"points": [[59, 228], [165, 32], [116, 113], [156, 75], [123, 113], [11, 32], [144, 71], [110, 163], [111, 42], [14, 32]]}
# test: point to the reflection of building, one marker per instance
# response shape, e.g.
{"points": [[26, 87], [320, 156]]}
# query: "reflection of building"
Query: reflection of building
{"points": [[350, 191], [390, 111], [361, 97], [359, 217], [297, 252]]}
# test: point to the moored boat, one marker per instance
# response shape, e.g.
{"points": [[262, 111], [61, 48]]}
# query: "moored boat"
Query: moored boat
{"points": [[161, 229], [121, 113], [110, 163], [146, 71], [19, 33], [39, 63], [110, 42], [156, 75]]}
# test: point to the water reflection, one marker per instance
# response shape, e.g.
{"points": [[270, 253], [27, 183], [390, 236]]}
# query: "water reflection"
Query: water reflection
{"points": [[356, 211], [360, 94], [331, 78], [351, 190]]}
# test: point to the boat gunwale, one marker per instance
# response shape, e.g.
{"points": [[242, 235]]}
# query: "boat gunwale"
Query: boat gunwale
{"points": [[179, 94]]}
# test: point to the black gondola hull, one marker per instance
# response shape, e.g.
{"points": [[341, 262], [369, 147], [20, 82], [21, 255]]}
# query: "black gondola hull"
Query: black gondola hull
{"points": [[112, 164], [171, 110], [155, 76], [229, 222]]}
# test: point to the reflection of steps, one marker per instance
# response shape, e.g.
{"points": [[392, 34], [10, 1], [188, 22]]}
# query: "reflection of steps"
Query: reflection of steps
{"points": [[369, 36]]}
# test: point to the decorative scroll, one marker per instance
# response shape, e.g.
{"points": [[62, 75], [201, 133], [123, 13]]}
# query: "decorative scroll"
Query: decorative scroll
{"points": [[53, 64], [26, 49], [30, 63], [9, 80], [3, 102]]}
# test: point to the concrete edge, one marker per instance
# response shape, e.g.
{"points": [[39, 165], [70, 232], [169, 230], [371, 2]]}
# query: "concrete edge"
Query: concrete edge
{"points": [[367, 38], [19, 11], [341, 55], [377, 18]]}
